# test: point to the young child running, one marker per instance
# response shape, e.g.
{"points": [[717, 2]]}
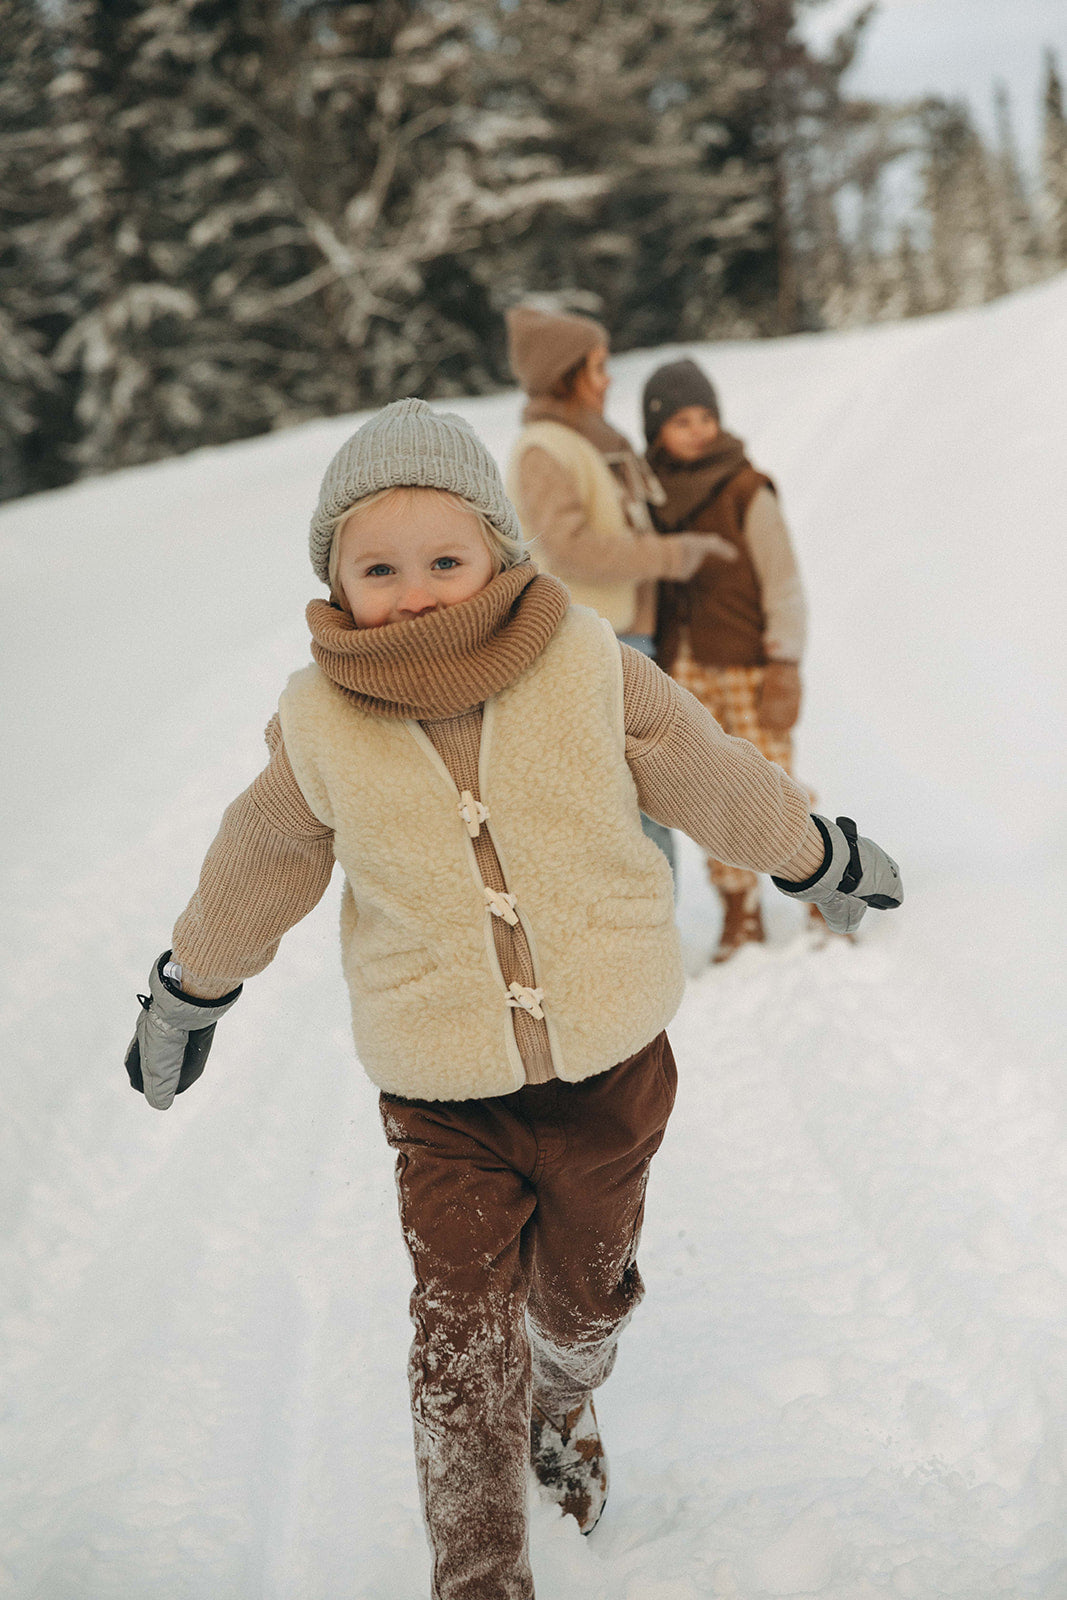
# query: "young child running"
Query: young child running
{"points": [[475, 752], [734, 633]]}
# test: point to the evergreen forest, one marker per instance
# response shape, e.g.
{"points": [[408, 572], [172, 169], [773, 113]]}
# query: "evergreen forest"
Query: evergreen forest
{"points": [[222, 217]]}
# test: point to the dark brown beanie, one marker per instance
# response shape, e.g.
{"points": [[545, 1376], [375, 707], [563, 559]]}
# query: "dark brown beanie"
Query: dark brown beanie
{"points": [[543, 345], [673, 387]]}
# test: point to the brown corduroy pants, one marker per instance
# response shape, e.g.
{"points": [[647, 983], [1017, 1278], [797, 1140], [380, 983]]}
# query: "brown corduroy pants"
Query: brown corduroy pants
{"points": [[522, 1215]]}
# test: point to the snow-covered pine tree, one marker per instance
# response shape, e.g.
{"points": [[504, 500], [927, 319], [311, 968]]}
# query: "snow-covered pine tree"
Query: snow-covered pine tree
{"points": [[395, 180], [965, 264], [808, 128], [645, 112], [1054, 166], [869, 140], [32, 404], [819, 279], [190, 236], [121, 314], [1022, 250], [903, 276]]}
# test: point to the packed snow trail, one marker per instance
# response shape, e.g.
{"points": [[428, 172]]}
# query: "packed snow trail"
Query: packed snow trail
{"points": [[849, 1377]]}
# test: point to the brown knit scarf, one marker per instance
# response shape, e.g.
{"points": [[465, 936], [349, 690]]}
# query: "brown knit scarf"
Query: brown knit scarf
{"points": [[448, 661], [689, 485], [590, 424], [630, 468]]}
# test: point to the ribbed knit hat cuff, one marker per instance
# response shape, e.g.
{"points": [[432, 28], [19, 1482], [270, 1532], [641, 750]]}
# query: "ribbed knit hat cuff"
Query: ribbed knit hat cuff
{"points": [[671, 389], [543, 345], [409, 445]]}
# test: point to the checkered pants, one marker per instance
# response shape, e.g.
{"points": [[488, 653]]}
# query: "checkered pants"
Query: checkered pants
{"points": [[731, 694]]}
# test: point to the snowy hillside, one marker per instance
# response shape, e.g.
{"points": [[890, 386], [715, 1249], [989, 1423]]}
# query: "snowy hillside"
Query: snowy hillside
{"points": [[849, 1378]]}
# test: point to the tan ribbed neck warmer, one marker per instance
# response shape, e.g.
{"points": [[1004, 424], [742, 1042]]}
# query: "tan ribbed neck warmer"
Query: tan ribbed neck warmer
{"points": [[448, 661]]}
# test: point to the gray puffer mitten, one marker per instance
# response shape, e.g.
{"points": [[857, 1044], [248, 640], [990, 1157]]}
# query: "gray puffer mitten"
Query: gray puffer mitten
{"points": [[174, 1031], [856, 873]]}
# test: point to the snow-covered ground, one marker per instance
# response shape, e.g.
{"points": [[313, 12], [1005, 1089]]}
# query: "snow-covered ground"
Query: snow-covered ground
{"points": [[849, 1378]]}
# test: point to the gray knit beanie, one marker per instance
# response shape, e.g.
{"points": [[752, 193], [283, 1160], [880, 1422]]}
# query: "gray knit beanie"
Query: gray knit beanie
{"points": [[673, 387], [409, 445]]}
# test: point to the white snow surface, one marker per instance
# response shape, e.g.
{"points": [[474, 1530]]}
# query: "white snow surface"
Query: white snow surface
{"points": [[849, 1376]]}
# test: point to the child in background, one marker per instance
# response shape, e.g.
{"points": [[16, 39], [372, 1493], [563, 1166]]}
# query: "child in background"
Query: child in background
{"points": [[733, 634], [473, 750]]}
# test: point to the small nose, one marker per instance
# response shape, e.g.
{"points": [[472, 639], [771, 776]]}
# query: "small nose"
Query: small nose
{"points": [[415, 601]]}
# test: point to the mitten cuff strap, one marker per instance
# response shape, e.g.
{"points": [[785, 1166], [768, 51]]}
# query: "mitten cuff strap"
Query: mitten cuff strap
{"points": [[834, 865], [183, 1010]]}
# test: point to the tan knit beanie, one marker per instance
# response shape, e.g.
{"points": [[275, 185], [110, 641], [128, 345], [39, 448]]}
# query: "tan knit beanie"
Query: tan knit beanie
{"points": [[409, 445], [543, 345]]}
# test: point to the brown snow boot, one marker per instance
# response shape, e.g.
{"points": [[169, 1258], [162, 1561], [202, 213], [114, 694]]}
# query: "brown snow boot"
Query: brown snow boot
{"points": [[569, 1462], [741, 922]]}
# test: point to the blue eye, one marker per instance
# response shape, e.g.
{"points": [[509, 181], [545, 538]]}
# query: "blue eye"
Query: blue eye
{"points": [[446, 562], [379, 570]]}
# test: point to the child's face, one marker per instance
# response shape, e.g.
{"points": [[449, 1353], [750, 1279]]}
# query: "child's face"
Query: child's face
{"points": [[594, 380], [689, 434], [408, 555]]}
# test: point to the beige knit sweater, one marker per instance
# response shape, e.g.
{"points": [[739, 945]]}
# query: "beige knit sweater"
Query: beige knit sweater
{"points": [[271, 860]]}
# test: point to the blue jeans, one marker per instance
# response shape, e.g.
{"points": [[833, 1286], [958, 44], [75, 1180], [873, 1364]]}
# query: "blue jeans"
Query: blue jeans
{"points": [[652, 830]]}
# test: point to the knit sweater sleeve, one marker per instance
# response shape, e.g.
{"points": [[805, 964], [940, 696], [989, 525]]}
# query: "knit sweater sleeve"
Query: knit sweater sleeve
{"points": [[781, 593], [739, 807], [553, 515], [268, 866]]}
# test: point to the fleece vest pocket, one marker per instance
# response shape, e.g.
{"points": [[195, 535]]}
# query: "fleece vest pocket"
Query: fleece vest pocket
{"points": [[395, 970], [629, 911]]}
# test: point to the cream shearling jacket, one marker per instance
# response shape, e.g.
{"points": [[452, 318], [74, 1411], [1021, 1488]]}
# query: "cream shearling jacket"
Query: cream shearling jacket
{"points": [[431, 1013], [602, 504]]}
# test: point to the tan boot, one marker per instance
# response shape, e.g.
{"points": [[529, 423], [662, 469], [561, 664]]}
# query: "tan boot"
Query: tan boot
{"points": [[569, 1462], [741, 923]]}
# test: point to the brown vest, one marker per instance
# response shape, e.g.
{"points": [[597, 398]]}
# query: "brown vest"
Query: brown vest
{"points": [[720, 606]]}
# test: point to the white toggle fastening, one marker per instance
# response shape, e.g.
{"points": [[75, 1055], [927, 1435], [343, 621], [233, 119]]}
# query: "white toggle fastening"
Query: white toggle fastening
{"points": [[528, 999], [473, 813], [501, 905]]}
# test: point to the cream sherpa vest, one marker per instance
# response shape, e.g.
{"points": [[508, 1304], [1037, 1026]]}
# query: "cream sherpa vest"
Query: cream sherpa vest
{"points": [[430, 1011], [599, 494]]}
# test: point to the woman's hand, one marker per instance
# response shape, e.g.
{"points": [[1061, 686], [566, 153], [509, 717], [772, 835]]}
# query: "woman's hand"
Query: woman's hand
{"points": [[687, 552]]}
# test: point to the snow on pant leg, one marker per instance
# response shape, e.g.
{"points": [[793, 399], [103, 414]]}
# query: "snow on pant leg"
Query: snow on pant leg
{"points": [[584, 1281], [731, 694], [463, 1206]]}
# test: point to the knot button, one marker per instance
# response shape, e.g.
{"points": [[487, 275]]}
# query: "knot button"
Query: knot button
{"points": [[473, 813], [526, 999], [502, 905]]}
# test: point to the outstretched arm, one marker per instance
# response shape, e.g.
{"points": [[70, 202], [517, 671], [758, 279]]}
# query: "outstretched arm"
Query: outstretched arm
{"points": [[744, 809], [738, 806], [268, 866]]}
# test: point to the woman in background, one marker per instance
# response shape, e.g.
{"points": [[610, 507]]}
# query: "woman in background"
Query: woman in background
{"points": [[582, 493]]}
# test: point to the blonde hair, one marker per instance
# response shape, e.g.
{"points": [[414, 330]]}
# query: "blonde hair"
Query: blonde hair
{"points": [[506, 552]]}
